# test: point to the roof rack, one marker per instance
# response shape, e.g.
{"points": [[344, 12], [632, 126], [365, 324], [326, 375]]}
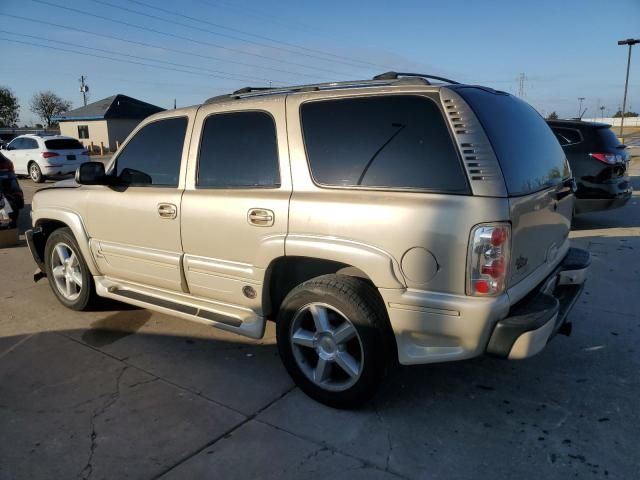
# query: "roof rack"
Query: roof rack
{"points": [[397, 75], [388, 78]]}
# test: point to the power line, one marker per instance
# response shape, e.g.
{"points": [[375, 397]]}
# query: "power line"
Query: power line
{"points": [[150, 45], [343, 60], [95, 55], [133, 25], [214, 73]]}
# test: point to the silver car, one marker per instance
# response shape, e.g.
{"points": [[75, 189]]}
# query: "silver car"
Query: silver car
{"points": [[395, 219]]}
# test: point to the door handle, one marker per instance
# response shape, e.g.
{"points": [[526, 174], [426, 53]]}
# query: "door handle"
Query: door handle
{"points": [[167, 210], [260, 217]]}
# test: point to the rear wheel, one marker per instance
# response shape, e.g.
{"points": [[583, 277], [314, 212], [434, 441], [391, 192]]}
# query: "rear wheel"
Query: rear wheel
{"points": [[35, 173], [331, 338], [67, 271]]}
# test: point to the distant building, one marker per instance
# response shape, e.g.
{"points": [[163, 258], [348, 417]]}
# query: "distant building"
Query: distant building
{"points": [[109, 120]]}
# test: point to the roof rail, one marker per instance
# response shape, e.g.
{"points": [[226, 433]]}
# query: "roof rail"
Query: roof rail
{"points": [[390, 78], [397, 75]]}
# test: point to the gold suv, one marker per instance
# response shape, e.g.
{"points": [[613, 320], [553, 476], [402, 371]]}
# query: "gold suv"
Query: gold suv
{"points": [[405, 218]]}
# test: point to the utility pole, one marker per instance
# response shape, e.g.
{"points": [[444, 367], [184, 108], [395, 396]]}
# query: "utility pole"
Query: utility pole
{"points": [[602, 107], [631, 42], [174, 103], [580, 100], [521, 87], [84, 89]]}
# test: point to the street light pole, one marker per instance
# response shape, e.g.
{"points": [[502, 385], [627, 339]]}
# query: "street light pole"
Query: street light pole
{"points": [[631, 42]]}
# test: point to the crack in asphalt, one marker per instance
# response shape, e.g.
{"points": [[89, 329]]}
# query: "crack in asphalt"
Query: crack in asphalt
{"points": [[87, 470]]}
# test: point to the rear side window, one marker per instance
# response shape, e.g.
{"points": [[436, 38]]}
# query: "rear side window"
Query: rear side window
{"points": [[63, 144], [567, 136], [530, 156], [238, 150], [395, 142], [153, 155]]}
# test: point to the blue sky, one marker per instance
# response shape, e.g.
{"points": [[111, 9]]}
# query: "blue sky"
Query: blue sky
{"points": [[567, 49]]}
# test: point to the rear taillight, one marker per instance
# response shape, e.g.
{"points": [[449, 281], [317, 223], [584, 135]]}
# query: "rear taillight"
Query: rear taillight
{"points": [[49, 154], [488, 260], [608, 158]]}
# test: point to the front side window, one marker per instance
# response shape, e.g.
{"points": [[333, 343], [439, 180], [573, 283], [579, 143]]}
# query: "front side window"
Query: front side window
{"points": [[83, 131], [238, 150], [15, 144], [154, 154], [395, 142]]}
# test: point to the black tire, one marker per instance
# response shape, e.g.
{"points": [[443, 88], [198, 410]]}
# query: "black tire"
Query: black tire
{"points": [[86, 296], [35, 173], [358, 303]]}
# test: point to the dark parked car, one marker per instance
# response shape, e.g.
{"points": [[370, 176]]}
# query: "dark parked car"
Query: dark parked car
{"points": [[598, 161], [10, 189]]}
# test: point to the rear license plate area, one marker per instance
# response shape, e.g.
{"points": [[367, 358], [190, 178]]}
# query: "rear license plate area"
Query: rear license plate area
{"points": [[71, 157]]}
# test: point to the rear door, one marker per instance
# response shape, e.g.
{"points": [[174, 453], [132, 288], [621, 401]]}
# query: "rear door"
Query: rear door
{"points": [[236, 203], [537, 177]]}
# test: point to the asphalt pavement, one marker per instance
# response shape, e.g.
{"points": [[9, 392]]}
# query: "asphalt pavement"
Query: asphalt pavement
{"points": [[127, 393]]}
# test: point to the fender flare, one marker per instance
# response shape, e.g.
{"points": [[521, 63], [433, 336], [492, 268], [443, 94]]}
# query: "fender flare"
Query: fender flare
{"points": [[377, 264], [72, 220]]}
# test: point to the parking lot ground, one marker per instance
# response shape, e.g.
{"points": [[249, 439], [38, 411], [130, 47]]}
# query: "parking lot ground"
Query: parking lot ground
{"points": [[127, 393]]}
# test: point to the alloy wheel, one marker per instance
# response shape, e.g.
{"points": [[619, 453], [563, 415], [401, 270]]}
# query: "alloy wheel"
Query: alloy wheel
{"points": [[66, 270], [326, 347]]}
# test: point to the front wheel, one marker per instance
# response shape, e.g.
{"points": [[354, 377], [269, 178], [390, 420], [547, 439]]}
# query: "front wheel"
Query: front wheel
{"points": [[35, 173], [68, 274], [331, 338]]}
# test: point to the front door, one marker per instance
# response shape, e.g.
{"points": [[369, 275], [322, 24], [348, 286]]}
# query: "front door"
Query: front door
{"points": [[135, 226], [235, 205], [17, 154]]}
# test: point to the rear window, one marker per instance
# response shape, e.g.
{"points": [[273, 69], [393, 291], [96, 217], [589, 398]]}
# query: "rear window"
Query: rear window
{"points": [[607, 138], [390, 142], [529, 154], [63, 144]]}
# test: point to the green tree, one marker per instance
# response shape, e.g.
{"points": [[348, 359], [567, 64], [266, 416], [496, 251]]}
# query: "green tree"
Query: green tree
{"points": [[48, 104], [552, 116], [626, 114], [9, 108]]}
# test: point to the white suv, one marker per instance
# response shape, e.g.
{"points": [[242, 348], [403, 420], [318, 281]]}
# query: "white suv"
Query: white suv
{"points": [[41, 156]]}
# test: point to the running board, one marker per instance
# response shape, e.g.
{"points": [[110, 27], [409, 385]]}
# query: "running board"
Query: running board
{"points": [[178, 307]]}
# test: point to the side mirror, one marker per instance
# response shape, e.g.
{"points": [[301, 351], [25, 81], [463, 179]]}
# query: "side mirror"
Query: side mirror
{"points": [[91, 173], [3, 147]]}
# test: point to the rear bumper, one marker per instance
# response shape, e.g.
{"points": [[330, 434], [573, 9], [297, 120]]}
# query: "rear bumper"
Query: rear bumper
{"points": [[604, 195], [533, 321], [586, 205], [435, 327], [62, 169]]}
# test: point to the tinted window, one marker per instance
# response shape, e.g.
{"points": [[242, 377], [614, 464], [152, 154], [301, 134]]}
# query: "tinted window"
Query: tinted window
{"points": [[529, 153], [387, 142], [607, 138], [238, 150], [63, 144], [567, 136], [153, 155], [29, 144], [15, 144]]}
